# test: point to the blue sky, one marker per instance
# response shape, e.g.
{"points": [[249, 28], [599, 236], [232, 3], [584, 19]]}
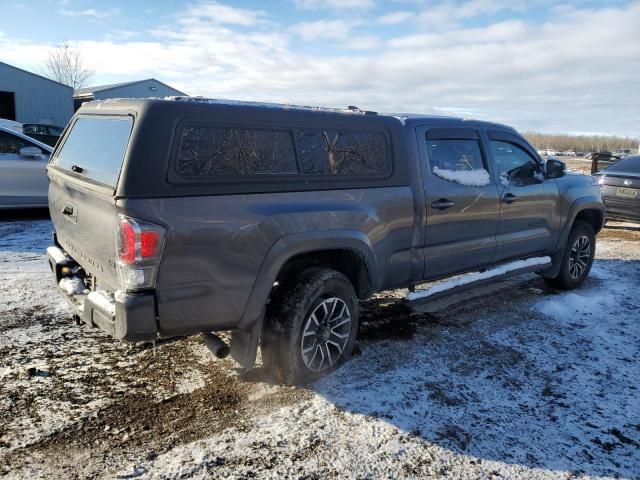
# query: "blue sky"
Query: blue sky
{"points": [[544, 65]]}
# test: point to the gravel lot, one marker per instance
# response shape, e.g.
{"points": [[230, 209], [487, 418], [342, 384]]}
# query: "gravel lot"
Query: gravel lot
{"points": [[510, 380]]}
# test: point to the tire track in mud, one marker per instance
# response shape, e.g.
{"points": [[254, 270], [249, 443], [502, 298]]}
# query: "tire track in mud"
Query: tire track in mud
{"points": [[151, 403]]}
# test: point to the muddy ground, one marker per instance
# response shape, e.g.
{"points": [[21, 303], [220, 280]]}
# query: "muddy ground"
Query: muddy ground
{"points": [[511, 380]]}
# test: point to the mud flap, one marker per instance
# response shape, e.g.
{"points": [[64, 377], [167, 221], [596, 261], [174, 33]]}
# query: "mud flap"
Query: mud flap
{"points": [[556, 263], [244, 344]]}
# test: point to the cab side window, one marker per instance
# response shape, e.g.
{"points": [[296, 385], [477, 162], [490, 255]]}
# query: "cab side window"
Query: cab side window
{"points": [[509, 158]]}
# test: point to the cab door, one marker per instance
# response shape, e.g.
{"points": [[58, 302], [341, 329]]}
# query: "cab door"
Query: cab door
{"points": [[461, 201], [23, 178], [527, 200]]}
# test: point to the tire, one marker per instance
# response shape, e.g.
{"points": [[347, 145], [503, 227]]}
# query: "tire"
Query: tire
{"points": [[299, 349], [576, 261]]}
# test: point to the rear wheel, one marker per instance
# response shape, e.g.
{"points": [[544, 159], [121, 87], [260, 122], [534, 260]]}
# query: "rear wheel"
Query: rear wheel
{"points": [[311, 327], [577, 259]]}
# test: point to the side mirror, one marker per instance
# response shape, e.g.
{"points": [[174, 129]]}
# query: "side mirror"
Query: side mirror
{"points": [[556, 168], [526, 174], [30, 152]]}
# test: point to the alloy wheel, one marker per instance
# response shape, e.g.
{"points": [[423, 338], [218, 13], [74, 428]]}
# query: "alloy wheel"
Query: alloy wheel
{"points": [[579, 258], [325, 334]]}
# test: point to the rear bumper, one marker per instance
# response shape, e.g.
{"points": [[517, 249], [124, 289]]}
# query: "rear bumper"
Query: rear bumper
{"points": [[622, 210], [122, 315]]}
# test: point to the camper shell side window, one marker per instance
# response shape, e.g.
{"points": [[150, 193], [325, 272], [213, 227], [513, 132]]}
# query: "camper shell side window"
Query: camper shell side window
{"points": [[213, 153]]}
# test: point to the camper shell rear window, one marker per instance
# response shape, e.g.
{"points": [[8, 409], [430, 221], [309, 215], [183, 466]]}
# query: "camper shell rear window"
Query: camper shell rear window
{"points": [[95, 147]]}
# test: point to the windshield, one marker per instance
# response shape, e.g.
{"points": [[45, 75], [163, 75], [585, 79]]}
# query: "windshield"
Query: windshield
{"points": [[626, 165], [95, 148]]}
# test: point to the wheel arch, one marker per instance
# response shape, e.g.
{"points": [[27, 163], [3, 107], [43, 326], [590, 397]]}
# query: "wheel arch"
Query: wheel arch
{"points": [[591, 216], [587, 209], [346, 251]]}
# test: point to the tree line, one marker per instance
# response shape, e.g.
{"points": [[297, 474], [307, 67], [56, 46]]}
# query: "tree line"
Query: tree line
{"points": [[580, 143]]}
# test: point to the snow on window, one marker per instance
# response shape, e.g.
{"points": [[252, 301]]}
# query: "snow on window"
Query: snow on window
{"points": [[473, 178], [458, 160]]}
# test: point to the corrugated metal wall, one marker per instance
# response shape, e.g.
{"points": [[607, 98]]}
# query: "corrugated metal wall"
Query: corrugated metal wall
{"points": [[138, 90], [37, 99]]}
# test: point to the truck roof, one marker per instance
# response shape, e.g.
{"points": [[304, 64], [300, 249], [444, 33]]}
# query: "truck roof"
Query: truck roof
{"points": [[406, 119]]}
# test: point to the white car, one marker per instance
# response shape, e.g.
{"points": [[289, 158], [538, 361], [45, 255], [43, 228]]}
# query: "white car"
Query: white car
{"points": [[11, 125], [23, 170]]}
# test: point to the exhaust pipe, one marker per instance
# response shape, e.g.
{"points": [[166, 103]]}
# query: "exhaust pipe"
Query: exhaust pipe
{"points": [[216, 345]]}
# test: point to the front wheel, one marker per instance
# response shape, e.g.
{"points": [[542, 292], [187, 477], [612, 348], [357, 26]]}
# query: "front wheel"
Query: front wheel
{"points": [[311, 327], [577, 259]]}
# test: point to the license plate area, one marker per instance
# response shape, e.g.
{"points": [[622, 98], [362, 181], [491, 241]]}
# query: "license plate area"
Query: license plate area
{"points": [[626, 192]]}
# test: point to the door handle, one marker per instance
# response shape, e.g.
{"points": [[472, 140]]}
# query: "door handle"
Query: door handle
{"points": [[67, 210], [442, 204], [509, 198]]}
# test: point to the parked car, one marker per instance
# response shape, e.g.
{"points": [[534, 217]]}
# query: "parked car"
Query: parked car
{"points": [[11, 125], [620, 185], [601, 160], [48, 134], [23, 175], [273, 221], [623, 152]]}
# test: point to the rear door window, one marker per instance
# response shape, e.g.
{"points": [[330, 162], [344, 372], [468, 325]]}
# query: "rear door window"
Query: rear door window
{"points": [[95, 148], [457, 160], [459, 155]]}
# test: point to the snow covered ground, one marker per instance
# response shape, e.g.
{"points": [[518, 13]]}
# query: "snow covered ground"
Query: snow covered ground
{"points": [[509, 380]]}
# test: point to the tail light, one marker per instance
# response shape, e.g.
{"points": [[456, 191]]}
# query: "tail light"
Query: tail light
{"points": [[139, 248]]}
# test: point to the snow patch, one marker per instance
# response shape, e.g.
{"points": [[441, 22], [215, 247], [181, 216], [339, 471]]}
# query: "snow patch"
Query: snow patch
{"points": [[580, 302], [72, 285], [190, 381], [103, 300], [474, 277], [471, 178]]}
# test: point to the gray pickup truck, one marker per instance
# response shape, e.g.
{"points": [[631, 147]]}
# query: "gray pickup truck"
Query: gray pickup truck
{"points": [[191, 216]]}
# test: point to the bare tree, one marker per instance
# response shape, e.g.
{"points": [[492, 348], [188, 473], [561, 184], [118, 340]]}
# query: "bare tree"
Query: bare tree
{"points": [[582, 143], [65, 64]]}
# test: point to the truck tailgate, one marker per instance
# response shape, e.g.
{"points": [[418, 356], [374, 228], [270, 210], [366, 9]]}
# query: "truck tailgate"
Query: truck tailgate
{"points": [[86, 225]]}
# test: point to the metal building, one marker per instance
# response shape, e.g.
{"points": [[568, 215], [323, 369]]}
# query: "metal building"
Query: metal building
{"points": [[30, 98], [137, 89]]}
